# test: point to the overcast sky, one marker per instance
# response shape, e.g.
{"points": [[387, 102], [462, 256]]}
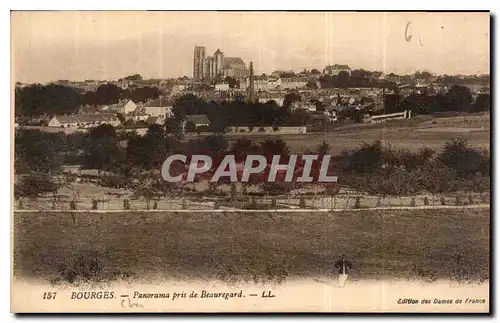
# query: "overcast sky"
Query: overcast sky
{"points": [[110, 45]]}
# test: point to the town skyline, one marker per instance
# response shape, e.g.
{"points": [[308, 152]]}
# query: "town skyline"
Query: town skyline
{"points": [[109, 45]]}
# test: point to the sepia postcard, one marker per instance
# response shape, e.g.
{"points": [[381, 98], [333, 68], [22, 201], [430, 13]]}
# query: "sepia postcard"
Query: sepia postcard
{"points": [[250, 162]]}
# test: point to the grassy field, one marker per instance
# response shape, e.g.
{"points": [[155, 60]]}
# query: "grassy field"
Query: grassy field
{"points": [[420, 244], [411, 134]]}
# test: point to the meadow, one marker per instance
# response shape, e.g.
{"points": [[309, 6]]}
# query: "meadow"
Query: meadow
{"points": [[412, 134], [397, 244]]}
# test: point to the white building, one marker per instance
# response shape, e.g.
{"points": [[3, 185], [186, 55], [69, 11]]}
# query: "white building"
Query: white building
{"points": [[279, 100], [158, 108], [272, 83], [336, 69], [222, 87], [309, 106], [83, 121], [125, 107]]}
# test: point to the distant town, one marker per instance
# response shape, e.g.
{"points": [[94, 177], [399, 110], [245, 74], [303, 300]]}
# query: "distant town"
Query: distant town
{"points": [[313, 99]]}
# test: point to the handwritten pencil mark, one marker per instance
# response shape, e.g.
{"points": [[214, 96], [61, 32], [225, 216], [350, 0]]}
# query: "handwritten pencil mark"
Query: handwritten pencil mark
{"points": [[408, 35]]}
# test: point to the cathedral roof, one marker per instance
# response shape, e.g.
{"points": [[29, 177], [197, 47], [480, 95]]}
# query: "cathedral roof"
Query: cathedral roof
{"points": [[230, 62]]}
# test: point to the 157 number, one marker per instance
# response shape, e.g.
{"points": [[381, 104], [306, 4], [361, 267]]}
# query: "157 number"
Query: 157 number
{"points": [[49, 295]]}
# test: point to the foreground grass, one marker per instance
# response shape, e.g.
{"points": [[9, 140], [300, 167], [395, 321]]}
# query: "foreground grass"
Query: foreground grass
{"points": [[423, 244]]}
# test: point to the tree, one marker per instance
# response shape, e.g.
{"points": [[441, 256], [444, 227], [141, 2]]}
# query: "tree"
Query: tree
{"points": [[233, 83], [52, 99], [134, 77], [343, 79], [311, 85], [150, 150], [37, 151], [188, 104], [107, 94], [482, 103], [458, 98], [120, 117], [272, 147], [243, 147], [35, 184], [101, 150], [464, 160], [190, 127], [147, 187], [367, 159], [323, 148], [142, 94], [291, 98]]}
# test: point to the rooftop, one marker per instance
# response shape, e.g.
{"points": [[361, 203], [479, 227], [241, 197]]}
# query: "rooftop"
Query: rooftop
{"points": [[197, 119]]}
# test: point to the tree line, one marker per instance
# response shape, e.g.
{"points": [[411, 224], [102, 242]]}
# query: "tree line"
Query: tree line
{"points": [[458, 98], [241, 113], [124, 156], [37, 100]]}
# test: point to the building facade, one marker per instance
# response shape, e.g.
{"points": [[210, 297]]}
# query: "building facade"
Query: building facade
{"points": [[336, 69], [217, 66], [198, 62]]}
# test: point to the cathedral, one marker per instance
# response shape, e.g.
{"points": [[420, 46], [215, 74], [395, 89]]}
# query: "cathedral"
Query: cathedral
{"points": [[211, 67]]}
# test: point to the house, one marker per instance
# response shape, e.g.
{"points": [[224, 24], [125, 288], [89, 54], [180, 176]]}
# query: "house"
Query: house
{"points": [[318, 119], [194, 121], [124, 107], [83, 121], [293, 82], [309, 106], [154, 120], [222, 87], [198, 120], [279, 100], [336, 69], [159, 108], [331, 116], [63, 122], [138, 116]]}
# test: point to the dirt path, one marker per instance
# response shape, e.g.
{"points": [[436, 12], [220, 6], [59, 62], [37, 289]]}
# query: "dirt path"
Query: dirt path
{"points": [[298, 210]]}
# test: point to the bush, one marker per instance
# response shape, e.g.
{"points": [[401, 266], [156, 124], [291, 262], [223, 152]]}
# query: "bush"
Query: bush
{"points": [[87, 265], [252, 205], [357, 204], [244, 193], [34, 185], [302, 202], [114, 181], [233, 192]]}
